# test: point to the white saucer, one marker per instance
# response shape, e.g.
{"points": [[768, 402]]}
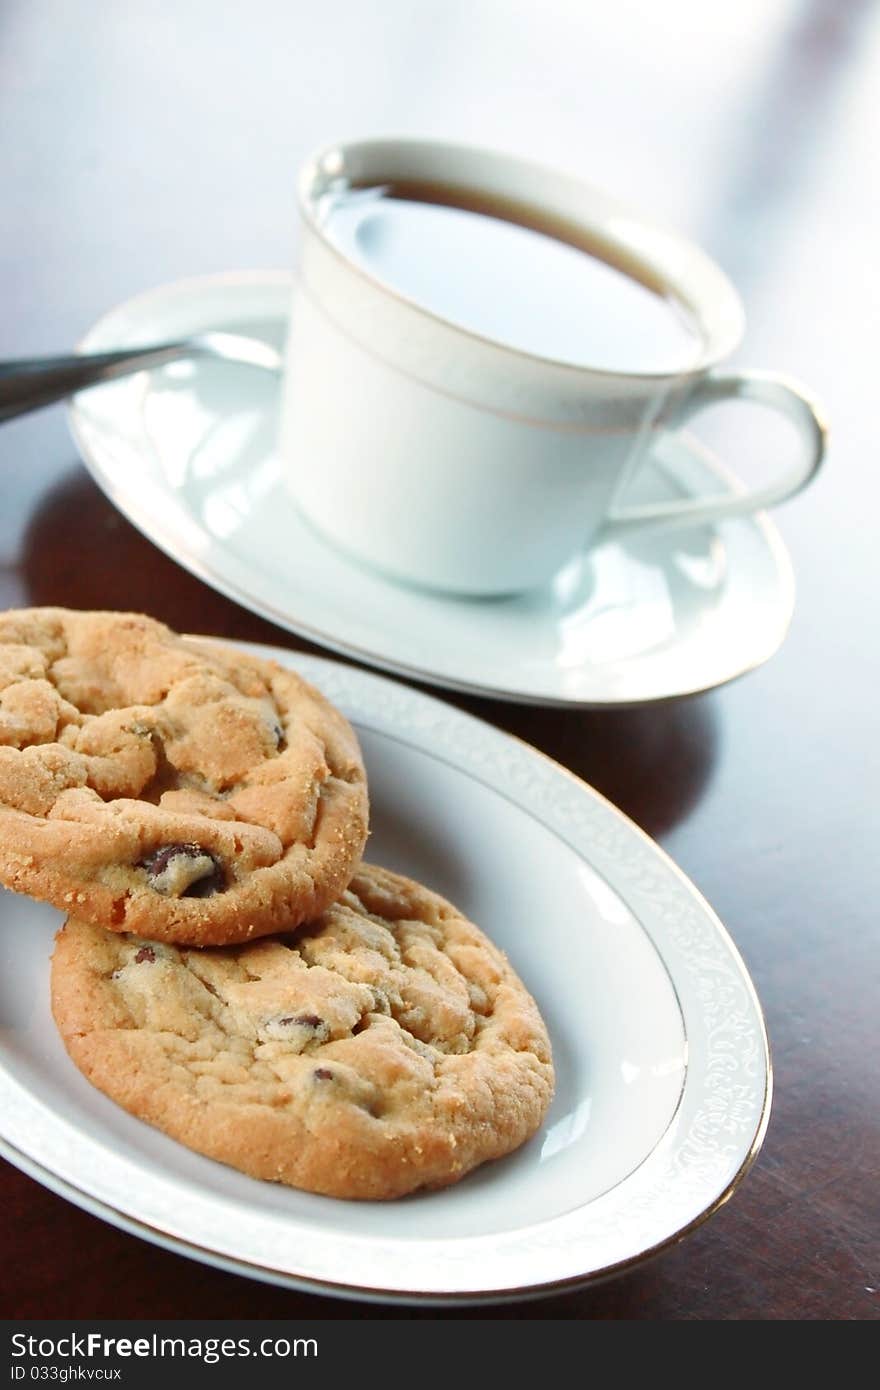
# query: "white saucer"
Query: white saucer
{"points": [[187, 453], [663, 1077]]}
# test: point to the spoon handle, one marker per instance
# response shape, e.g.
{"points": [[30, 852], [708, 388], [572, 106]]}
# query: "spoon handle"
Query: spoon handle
{"points": [[29, 383]]}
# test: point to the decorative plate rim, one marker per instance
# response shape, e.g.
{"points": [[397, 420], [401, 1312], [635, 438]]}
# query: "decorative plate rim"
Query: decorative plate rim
{"points": [[696, 1166]]}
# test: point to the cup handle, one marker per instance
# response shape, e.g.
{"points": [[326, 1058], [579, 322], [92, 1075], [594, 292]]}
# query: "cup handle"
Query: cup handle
{"points": [[768, 389]]}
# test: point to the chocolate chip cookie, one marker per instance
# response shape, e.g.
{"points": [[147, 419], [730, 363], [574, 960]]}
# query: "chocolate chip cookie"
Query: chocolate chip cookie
{"points": [[167, 786], [387, 1046]]}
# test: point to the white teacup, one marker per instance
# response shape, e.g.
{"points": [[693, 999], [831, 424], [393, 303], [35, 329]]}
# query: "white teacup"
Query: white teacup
{"points": [[452, 460]]}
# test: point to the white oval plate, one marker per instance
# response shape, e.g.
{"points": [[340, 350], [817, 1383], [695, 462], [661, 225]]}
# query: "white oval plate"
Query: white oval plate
{"points": [[187, 453], [663, 1071]]}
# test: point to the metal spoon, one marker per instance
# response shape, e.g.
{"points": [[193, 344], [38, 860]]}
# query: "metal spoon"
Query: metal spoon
{"points": [[29, 383]]}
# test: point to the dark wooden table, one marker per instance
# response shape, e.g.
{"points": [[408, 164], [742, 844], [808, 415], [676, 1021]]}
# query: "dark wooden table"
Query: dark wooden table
{"points": [[143, 142]]}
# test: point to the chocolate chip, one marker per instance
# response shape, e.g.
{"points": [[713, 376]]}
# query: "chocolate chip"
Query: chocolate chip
{"points": [[298, 1031], [159, 861], [145, 953], [278, 734], [206, 887], [322, 1074], [169, 863]]}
